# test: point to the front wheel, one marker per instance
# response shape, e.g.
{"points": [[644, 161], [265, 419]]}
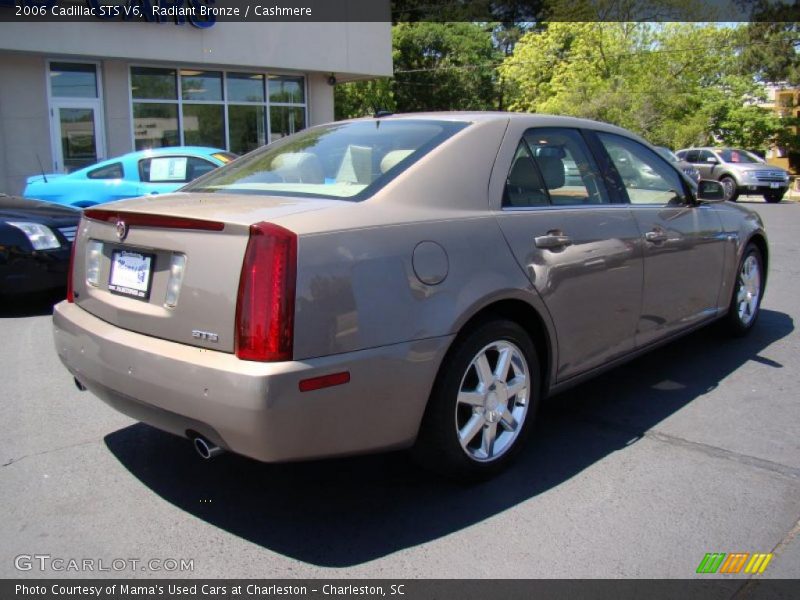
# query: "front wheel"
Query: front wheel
{"points": [[729, 188], [483, 403], [747, 292]]}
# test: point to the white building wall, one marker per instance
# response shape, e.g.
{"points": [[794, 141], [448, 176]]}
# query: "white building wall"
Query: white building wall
{"points": [[24, 120], [316, 50]]}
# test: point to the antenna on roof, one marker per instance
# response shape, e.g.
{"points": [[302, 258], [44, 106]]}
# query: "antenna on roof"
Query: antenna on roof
{"points": [[41, 168]]}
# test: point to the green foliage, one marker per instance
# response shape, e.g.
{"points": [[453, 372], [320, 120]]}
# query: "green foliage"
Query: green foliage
{"points": [[438, 66], [676, 84]]}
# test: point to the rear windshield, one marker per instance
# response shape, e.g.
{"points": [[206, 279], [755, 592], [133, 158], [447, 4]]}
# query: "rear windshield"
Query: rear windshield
{"points": [[341, 160]]}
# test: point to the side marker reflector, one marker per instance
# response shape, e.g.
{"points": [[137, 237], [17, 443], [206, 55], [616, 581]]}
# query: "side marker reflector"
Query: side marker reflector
{"points": [[317, 383]]}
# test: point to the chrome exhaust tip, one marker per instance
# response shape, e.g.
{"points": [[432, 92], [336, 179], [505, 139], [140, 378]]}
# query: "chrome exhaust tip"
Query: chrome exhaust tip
{"points": [[79, 385], [206, 449]]}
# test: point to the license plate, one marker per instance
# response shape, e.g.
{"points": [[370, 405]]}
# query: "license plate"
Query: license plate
{"points": [[774, 185], [131, 274]]}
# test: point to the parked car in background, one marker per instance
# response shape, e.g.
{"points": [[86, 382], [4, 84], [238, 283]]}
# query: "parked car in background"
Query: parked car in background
{"points": [[691, 172], [143, 173], [402, 281], [35, 242], [739, 172]]}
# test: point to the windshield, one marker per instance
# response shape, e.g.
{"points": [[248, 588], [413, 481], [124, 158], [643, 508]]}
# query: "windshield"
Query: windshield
{"points": [[736, 155], [348, 160]]}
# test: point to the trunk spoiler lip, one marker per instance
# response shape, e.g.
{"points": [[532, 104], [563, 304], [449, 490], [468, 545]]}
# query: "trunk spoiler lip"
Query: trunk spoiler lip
{"points": [[125, 219]]}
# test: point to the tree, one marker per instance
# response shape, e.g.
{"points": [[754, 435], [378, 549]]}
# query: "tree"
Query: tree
{"points": [[676, 84], [438, 66]]}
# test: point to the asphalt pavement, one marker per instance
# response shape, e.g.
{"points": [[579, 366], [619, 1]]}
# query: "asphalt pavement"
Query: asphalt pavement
{"points": [[692, 449]]}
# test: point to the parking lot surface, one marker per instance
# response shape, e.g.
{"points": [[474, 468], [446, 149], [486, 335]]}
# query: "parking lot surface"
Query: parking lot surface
{"points": [[691, 449]]}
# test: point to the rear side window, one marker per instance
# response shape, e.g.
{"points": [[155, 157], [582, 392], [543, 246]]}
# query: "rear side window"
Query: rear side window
{"points": [[553, 166], [647, 177], [692, 156], [108, 172], [173, 169]]}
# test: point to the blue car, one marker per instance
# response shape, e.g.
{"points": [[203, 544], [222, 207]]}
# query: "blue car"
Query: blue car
{"points": [[143, 173]]}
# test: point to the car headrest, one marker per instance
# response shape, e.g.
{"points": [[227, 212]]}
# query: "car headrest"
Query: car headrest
{"points": [[525, 175], [299, 167], [390, 159], [552, 170]]}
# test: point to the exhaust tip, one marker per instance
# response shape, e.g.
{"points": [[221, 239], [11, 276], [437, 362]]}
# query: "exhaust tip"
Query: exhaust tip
{"points": [[79, 385], [206, 449]]}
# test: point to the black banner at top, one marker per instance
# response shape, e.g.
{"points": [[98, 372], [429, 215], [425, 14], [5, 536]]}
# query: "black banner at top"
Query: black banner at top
{"points": [[204, 13]]}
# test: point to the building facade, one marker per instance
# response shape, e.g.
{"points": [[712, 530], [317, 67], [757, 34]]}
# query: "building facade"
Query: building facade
{"points": [[784, 100], [76, 93]]}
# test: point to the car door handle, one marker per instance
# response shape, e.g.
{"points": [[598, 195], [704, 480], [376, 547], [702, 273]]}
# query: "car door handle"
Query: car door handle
{"points": [[553, 239], [656, 236]]}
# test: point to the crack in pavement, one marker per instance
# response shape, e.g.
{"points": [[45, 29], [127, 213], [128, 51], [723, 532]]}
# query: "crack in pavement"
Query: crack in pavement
{"points": [[708, 449], [12, 461]]}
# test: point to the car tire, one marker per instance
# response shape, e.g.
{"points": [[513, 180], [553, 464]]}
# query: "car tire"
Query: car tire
{"points": [[729, 188], [481, 411], [773, 197], [748, 290]]}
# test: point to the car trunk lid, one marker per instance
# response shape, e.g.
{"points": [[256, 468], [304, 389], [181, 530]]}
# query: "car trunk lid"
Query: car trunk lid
{"points": [[170, 267]]}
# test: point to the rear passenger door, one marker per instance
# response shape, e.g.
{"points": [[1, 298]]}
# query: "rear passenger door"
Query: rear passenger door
{"points": [[683, 245], [575, 240]]}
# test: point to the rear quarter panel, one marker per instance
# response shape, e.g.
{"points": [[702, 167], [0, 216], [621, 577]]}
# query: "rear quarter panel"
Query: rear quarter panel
{"points": [[356, 283]]}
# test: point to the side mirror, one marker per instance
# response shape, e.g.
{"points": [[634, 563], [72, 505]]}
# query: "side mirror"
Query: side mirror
{"points": [[710, 191], [712, 160]]}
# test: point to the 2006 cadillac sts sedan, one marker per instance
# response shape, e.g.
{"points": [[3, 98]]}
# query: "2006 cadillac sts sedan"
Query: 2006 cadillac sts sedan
{"points": [[405, 281]]}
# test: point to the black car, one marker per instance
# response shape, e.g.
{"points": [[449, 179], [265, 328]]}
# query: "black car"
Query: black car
{"points": [[35, 244]]}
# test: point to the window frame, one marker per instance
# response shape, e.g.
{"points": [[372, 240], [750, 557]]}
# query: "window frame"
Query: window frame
{"points": [[225, 102], [687, 196], [594, 151]]}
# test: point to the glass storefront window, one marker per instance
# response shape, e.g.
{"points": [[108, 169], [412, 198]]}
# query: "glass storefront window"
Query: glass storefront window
{"points": [[155, 125], [203, 125], [245, 87], [201, 85], [153, 84], [73, 80], [238, 111], [246, 128], [286, 89], [285, 120]]}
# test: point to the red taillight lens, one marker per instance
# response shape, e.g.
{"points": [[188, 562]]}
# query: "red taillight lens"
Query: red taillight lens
{"points": [[70, 287], [265, 306]]}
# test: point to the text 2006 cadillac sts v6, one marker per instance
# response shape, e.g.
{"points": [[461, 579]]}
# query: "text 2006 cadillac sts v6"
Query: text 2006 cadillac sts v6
{"points": [[406, 281]]}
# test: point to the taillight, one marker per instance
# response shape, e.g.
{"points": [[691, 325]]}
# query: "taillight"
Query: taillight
{"points": [[265, 305], [70, 287]]}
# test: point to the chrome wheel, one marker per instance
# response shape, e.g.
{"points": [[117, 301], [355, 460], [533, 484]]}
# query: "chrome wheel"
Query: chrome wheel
{"points": [[749, 290], [492, 401]]}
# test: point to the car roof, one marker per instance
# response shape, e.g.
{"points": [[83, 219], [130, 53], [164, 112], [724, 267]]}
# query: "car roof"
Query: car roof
{"points": [[533, 119], [169, 150]]}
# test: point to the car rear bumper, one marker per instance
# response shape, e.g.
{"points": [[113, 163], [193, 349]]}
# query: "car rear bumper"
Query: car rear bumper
{"points": [[251, 408]]}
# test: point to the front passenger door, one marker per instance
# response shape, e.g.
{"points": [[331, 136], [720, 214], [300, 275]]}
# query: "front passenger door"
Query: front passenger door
{"points": [[683, 246]]}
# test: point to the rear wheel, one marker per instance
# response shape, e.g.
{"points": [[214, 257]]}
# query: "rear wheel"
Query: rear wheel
{"points": [[746, 301], [483, 403], [729, 188]]}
